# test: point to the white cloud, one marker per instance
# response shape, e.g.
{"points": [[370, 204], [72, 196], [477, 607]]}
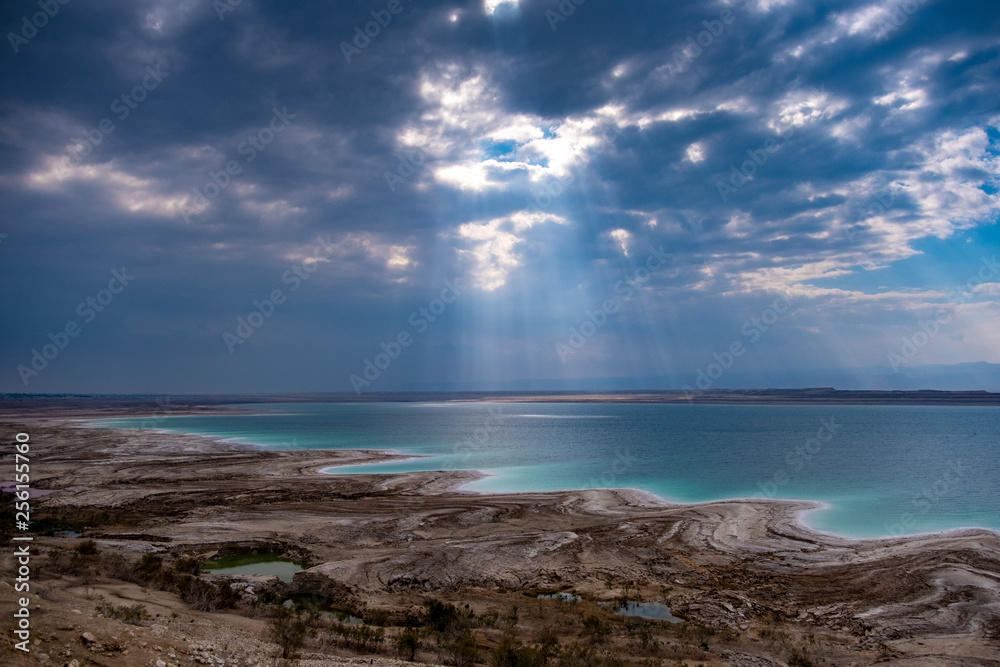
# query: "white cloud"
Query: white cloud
{"points": [[130, 193], [492, 6], [695, 153], [622, 238], [274, 211], [494, 247], [465, 114], [878, 20], [803, 107], [906, 97], [346, 251], [167, 15]]}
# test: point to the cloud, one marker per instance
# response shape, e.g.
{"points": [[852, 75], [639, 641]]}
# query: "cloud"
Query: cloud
{"points": [[128, 192], [495, 247], [477, 145], [493, 6], [547, 164]]}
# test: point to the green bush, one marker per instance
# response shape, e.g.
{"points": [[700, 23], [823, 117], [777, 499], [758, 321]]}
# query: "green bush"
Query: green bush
{"points": [[147, 568], [407, 643], [441, 616], [287, 631], [115, 566], [464, 650], [57, 560], [188, 566]]}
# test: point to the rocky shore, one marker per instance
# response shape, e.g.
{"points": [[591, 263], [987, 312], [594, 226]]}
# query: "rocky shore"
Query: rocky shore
{"points": [[753, 586]]}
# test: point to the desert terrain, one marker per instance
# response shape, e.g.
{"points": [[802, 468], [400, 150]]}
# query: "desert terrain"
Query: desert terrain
{"points": [[446, 577]]}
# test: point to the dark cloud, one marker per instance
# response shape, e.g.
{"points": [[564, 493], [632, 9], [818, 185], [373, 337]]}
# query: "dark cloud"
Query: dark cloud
{"points": [[539, 166]]}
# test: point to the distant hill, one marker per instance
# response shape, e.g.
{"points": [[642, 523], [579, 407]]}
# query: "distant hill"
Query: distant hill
{"points": [[981, 376]]}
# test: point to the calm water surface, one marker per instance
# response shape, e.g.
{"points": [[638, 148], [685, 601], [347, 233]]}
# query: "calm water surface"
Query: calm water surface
{"points": [[880, 470]]}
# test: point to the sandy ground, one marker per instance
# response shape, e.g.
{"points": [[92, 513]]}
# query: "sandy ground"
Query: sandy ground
{"points": [[746, 570]]}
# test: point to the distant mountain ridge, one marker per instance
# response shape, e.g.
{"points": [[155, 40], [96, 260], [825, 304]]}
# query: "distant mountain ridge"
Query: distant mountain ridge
{"points": [[971, 376]]}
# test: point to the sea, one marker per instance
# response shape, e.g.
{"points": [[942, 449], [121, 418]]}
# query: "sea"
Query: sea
{"points": [[876, 471]]}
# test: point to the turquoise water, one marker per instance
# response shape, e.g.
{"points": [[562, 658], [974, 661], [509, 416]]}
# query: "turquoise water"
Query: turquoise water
{"points": [[879, 470]]}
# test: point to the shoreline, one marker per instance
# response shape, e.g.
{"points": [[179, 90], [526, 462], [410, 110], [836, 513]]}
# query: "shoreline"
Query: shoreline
{"points": [[393, 542], [390, 456]]}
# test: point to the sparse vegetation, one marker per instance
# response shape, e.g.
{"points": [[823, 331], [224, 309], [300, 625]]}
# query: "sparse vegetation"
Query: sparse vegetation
{"points": [[408, 643], [798, 659], [148, 568], [595, 628], [288, 631], [73, 562], [148, 571], [512, 653], [188, 566], [51, 521], [462, 650], [204, 596], [135, 614], [87, 548], [441, 616], [543, 633], [376, 617], [582, 655], [546, 634], [361, 638]]}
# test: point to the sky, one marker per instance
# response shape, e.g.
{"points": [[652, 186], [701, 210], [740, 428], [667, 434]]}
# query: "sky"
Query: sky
{"points": [[262, 196]]}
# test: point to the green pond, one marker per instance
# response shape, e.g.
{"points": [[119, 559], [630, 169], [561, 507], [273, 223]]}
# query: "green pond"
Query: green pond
{"points": [[255, 564]]}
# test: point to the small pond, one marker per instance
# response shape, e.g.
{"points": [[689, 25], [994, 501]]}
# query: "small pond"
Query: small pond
{"points": [[255, 564], [565, 597], [654, 610]]}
